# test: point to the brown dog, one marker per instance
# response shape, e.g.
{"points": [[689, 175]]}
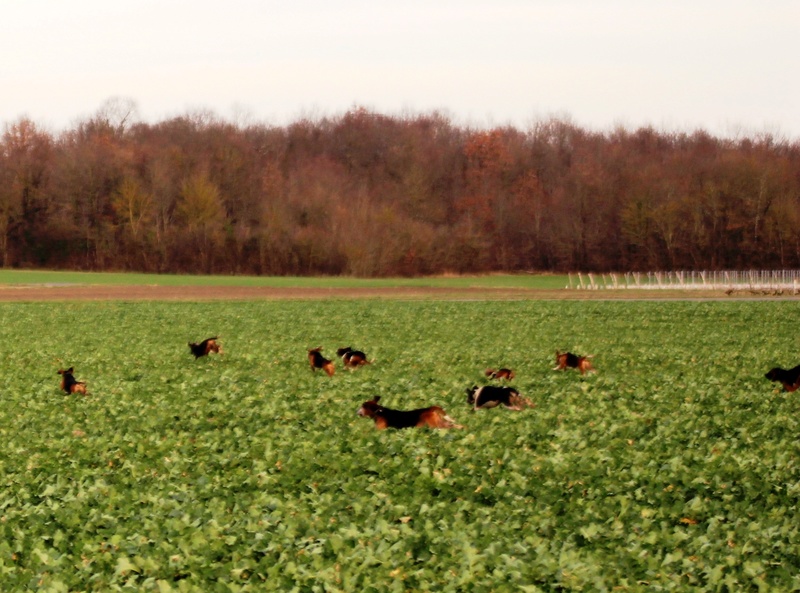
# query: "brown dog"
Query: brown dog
{"points": [[565, 360], [504, 373], [433, 417], [317, 361], [205, 347], [789, 379], [352, 359], [69, 384]]}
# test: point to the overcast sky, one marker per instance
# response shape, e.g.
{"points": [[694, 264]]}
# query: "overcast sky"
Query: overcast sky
{"points": [[731, 67]]}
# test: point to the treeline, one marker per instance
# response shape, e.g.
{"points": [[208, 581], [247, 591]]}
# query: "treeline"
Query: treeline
{"points": [[367, 194]]}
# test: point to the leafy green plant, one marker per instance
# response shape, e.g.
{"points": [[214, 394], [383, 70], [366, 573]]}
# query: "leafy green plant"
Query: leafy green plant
{"points": [[675, 467]]}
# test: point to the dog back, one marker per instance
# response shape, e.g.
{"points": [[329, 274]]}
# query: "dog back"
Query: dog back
{"points": [[790, 379], [433, 416], [489, 396], [502, 373]]}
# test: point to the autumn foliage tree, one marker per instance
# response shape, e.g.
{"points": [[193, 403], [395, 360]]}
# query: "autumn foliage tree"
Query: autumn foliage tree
{"points": [[25, 161], [368, 194]]}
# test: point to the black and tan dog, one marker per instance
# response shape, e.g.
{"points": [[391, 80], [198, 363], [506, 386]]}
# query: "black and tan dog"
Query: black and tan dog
{"points": [[69, 384], [503, 373], [432, 417], [317, 361], [789, 379], [205, 347], [352, 359], [490, 396], [565, 360]]}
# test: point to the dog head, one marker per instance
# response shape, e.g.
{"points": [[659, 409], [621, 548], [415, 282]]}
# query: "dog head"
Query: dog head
{"points": [[772, 375], [343, 351], [315, 356], [472, 393], [65, 372], [371, 408]]}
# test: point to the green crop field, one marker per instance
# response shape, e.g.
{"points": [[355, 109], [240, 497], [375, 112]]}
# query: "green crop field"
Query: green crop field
{"points": [[674, 468], [38, 277]]}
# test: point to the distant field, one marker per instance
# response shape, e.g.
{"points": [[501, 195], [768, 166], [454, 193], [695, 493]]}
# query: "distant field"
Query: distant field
{"points": [[18, 277], [675, 468]]}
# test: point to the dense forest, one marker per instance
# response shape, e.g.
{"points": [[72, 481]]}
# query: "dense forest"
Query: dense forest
{"points": [[367, 194]]}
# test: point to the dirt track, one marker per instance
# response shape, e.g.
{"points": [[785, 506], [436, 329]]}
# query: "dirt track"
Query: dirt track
{"points": [[206, 293]]}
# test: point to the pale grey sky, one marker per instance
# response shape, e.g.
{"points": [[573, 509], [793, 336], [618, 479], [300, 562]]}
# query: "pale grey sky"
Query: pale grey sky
{"points": [[727, 66]]}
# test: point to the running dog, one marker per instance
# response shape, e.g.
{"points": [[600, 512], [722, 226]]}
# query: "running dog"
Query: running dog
{"points": [[490, 396], [69, 384], [789, 379], [205, 347], [352, 359], [504, 373], [317, 361], [433, 417], [565, 360]]}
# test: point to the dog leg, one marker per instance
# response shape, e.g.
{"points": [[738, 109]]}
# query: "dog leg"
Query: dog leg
{"points": [[451, 423]]}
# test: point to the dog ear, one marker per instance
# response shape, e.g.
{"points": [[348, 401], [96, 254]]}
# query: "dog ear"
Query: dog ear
{"points": [[69, 370], [376, 399]]}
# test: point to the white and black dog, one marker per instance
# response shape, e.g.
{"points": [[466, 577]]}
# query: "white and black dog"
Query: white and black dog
{"points": [[490, 396], [352, 359]]}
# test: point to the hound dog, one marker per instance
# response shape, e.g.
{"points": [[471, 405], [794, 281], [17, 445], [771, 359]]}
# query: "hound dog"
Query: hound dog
{"points": [[205, 347], [565, 360], [789, 379], [317, 361], [433, 416], [352, 359], [69, 384], [503, 373], [490, 396]]}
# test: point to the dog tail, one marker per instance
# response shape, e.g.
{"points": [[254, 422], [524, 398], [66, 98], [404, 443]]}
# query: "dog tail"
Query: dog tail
{"points": [[520, 402], [453, 423], [443, 420], [448, 422]]}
